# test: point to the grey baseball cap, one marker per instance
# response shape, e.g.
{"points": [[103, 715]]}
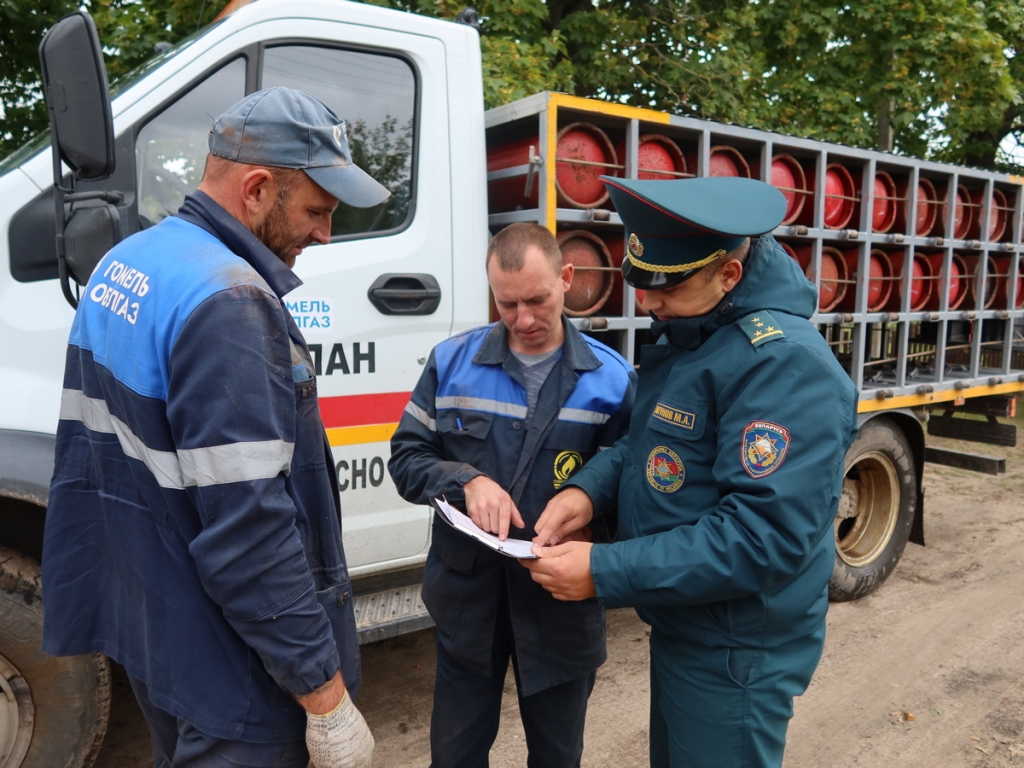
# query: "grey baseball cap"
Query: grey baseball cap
{"points": [[287, 128]]}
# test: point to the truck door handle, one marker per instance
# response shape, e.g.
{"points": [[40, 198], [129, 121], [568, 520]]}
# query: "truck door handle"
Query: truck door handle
{"points": [[405, 294]]}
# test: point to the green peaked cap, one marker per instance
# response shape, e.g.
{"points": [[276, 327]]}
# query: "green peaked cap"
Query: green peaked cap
{"points": [[677, 227]]}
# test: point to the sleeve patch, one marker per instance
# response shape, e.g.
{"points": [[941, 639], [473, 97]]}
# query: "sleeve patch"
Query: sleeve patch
{"points": [[761, 327], [763, 448]]}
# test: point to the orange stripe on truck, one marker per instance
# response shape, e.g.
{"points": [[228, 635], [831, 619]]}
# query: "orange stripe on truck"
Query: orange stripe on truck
{"points": [[357, 419]]}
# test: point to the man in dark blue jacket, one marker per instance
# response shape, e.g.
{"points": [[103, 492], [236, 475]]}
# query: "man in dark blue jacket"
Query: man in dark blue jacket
{"points": [[501, 418], [728, 484], [193, 532]]}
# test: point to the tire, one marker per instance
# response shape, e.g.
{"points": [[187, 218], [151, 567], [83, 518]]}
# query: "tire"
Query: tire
{"points": [[53, 711], [876, 510]]}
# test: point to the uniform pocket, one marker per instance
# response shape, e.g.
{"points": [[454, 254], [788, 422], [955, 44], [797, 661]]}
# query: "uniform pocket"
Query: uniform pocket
{"points": [[681, 419], [741, 665], [455, 423]]}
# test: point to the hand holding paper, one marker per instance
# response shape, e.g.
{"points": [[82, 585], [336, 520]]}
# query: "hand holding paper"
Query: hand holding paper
{"points": [[510, 547]]}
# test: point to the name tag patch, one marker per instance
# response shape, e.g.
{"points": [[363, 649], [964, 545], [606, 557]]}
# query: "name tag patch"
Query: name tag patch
{"points": [[665, 470], [763, 448], [675, 416]]}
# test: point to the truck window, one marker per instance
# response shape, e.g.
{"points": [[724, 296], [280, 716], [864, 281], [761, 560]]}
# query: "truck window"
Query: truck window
{"points": [[171, 148], [376, 95]]}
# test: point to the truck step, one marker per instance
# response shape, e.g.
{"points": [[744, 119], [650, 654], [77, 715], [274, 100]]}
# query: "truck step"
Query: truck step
{"points": [[380, 615]]}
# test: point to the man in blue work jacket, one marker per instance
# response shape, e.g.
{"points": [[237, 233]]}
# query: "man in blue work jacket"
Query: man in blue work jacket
{"points": [[193, 532], [728, 484], [502, 416]]}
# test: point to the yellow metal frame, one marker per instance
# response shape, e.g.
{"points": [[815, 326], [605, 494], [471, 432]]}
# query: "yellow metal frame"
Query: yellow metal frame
{"points": [[563, 100], [945, 396]]}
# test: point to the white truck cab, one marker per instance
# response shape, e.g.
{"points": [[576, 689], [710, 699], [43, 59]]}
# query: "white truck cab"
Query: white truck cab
{"points": [[393, 282]]}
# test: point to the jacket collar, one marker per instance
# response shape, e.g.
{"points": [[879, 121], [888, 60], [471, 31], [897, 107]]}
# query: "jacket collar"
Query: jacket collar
{"points": [[576, 353], [201, 209]]}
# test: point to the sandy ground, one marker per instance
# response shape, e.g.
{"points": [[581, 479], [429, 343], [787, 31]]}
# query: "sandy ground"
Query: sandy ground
{"points": [[928, 671]]}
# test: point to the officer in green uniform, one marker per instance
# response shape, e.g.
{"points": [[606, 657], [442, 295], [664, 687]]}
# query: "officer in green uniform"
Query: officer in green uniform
{"points": [[728, 482]]}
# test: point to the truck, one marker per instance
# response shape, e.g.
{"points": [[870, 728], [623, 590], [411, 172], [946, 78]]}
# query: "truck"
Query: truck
{"points": [[917, 265]]}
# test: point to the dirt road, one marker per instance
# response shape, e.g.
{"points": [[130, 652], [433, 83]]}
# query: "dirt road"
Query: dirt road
{"points": [[928, 671]]}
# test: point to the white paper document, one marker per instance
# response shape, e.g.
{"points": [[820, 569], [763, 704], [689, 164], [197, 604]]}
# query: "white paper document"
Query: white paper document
{"points": [[510, 547]]}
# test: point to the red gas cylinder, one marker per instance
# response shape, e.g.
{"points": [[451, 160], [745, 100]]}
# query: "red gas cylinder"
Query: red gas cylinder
{"points": [[957, 280], [879, 284], [657, 157], [724, 161], [788, 249], [1002, 294], [927, 207], [920, 282], [840, 197], [996, 215], [616, 245], [788, 177], [583, 153], [972, 265], [834, 276], [592, 279], [963, 212], [883, 210]]}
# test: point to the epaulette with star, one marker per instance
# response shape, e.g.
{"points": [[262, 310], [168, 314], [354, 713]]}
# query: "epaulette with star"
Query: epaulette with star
{"points": [[761, 327]]}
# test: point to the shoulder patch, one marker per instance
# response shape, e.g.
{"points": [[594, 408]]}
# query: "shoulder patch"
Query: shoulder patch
{"points": [[761, 327]]}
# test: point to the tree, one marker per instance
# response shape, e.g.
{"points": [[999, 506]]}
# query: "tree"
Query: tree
{"points": [[128, 31], [942, 73]]}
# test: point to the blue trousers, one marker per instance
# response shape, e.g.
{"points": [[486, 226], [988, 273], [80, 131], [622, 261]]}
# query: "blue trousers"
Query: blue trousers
{"points": [[718, 707], [176, 744], [467, 708]]}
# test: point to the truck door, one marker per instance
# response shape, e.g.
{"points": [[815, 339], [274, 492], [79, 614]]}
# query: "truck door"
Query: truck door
{"points": [[378, 297]]}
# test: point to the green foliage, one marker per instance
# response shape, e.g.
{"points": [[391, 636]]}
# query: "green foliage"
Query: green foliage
{"points": [[946, 72], [128, 30]]}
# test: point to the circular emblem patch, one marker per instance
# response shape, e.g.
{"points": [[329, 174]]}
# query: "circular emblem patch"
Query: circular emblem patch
{"points": [[566, 463], [665, 470]]}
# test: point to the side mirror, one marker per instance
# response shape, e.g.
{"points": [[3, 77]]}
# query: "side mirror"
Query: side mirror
{"points": [[82, 137], [75, 84]]}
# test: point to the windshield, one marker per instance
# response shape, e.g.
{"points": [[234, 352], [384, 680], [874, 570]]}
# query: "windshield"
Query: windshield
{"points": [[41, 140]]}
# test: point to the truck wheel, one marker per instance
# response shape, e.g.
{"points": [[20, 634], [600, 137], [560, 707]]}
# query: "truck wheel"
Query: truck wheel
{"points": [[876, 510], [53, 711]]}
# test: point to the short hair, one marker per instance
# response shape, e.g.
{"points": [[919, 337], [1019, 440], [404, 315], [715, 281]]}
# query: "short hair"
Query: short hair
{"points": [[739, 253], [218, 167], [510, 245]]}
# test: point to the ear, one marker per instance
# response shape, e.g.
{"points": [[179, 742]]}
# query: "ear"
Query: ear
{"points": [[258, 191], [568, 269], [730, 274]]}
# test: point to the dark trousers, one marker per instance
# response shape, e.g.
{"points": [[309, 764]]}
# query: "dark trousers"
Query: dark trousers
{"points": [[714, 707], [176, 744], [467, 708]]}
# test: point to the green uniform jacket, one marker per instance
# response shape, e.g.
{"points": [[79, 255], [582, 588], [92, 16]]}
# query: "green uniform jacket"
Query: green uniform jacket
{"points": [[729, 479]]}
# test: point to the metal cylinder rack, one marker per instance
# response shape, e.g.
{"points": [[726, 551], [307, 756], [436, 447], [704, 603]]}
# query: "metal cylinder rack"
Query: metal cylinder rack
{"points": [[918, 297]]}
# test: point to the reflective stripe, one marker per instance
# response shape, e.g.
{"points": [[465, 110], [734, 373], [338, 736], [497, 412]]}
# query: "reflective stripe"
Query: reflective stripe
{"points": [[235, 462], [201, 467], [580, 415], [480, 404], [421, 416]]}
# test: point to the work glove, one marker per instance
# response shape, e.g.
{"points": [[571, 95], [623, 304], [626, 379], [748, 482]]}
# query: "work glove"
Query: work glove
{"points": [[339, 739]]}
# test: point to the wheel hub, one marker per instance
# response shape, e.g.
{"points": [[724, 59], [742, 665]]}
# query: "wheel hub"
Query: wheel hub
{"points": [[868, 509], [17, 715]]}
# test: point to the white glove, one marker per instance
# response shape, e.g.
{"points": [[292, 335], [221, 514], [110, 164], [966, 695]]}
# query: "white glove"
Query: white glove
{"points": [[339, 739]]}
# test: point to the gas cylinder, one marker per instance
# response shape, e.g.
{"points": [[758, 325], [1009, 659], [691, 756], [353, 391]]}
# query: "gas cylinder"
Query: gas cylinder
{"points": [[883, 209], [592, 279], [583, 153], [996, 215], [963, 212], [840, 197], [972, 263], [957, 281], [834, 276], [927, 207], [723, 161], [920, 282], [879, 283], [657, 157], [788, 177]]}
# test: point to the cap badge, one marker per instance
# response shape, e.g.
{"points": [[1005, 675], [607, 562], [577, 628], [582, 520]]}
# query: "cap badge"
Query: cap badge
{"points": [[636, 248]]}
